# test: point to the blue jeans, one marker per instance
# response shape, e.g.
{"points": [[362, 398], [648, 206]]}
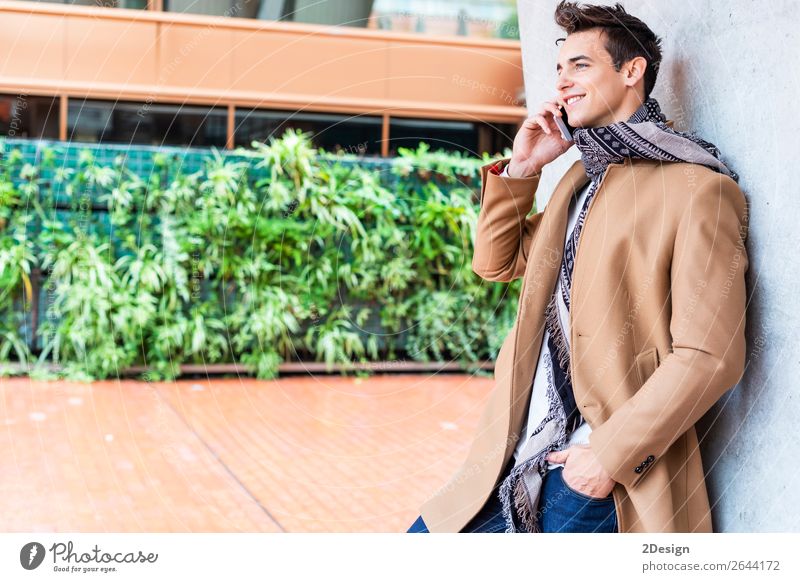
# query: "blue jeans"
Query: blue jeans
{"points": [[561, 509]]}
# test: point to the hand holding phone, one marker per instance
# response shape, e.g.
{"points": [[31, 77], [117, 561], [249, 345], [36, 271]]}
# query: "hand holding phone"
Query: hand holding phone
{"points": [[540, 140], [563, 125]]}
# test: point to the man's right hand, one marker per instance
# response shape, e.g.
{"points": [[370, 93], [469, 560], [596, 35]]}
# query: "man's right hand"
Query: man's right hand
{"points": [[537, 143]]}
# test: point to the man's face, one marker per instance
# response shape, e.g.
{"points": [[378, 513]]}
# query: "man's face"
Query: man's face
{"points": [[593, 76]]}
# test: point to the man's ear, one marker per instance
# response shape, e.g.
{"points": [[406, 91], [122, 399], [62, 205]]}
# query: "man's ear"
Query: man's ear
{"points": [[634, 70]]}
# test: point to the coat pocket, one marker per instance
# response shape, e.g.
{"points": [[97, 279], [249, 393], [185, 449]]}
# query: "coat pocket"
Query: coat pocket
{"points": [[646, 364]]}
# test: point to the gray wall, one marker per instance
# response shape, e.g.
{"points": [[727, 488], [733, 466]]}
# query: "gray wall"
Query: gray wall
{"points": [[730, 72]]}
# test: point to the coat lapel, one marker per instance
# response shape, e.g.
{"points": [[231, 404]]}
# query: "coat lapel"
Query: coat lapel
{"points": [[544, 260]]}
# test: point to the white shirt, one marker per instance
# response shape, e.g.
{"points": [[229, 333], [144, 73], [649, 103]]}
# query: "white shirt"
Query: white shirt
{"points": [[539, 405]]}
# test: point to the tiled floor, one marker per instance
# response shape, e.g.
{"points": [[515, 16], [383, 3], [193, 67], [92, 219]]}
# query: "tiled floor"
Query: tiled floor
{"points": [[300, 454]]}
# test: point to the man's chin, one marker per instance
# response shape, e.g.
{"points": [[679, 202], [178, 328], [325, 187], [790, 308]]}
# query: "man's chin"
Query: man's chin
{"points": [[587, 122], [580, 124]]}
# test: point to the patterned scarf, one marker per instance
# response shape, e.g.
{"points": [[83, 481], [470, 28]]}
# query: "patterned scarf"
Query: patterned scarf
{"points": [[645, 135]]}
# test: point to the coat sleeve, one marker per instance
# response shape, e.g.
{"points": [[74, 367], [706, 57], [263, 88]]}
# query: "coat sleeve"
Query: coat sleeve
{"points": [[707, 323], [504, 232]]}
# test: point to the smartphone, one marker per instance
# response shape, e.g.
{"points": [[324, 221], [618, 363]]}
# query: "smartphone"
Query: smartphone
{"points": [[563, 125]]}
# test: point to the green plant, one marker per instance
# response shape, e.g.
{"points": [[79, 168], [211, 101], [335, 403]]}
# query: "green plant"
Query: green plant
{"points": [[257, 256]]}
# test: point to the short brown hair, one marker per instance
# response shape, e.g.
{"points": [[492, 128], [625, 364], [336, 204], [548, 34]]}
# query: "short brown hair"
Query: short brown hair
{"points": [[625, 35]]}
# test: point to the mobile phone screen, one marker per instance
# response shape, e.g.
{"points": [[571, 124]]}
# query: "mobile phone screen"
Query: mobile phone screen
{"points": [[565, 128]]}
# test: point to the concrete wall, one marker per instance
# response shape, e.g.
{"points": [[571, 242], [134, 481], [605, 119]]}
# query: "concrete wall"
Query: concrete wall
{"points": [[730, 73]]}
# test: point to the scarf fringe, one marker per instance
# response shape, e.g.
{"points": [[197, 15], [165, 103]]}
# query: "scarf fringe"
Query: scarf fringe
{"points": [[507, 503], [519, 504], [523, 503], [517, 501], [554, 327]]}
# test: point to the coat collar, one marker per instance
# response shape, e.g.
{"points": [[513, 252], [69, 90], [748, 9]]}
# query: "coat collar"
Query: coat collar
{"points": [[576, 177]]}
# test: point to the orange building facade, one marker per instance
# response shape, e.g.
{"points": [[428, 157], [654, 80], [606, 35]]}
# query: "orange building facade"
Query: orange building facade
{"points": [[92, 73]]}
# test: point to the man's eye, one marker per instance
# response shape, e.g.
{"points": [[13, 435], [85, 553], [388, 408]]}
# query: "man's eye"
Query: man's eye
{"points": [[581, 65]]}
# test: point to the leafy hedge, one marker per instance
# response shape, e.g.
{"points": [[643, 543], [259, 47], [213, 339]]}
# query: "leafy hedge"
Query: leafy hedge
{"points": [[263, 255]]}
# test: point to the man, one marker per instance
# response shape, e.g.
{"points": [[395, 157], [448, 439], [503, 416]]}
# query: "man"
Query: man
{"points": [[631, 317]]}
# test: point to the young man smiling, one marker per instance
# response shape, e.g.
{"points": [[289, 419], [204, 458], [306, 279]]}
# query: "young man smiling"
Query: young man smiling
{"points": [[631, 317]]}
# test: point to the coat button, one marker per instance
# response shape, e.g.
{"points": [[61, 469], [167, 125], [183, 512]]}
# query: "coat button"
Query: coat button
{"points": [[638, 469], [650, 458]]}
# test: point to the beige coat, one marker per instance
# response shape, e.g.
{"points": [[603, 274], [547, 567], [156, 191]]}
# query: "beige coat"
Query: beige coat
{"points": [[657, 331]]}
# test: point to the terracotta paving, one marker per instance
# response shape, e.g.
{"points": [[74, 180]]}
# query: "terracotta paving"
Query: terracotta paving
{"points": [[299, 454]]}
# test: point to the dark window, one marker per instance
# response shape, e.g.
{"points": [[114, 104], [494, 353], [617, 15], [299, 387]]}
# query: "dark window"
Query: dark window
{"points": [[146, 123], [469, 138], [29, 116], [493, 138], [267, 10], [438, 134], [356, 134]]}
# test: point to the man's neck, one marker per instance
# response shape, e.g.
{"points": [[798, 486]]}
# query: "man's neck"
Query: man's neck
{"points": [[623, 113]]}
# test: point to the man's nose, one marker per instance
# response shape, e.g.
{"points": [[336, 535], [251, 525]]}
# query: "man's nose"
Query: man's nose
{"points": [[563, 82]]}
